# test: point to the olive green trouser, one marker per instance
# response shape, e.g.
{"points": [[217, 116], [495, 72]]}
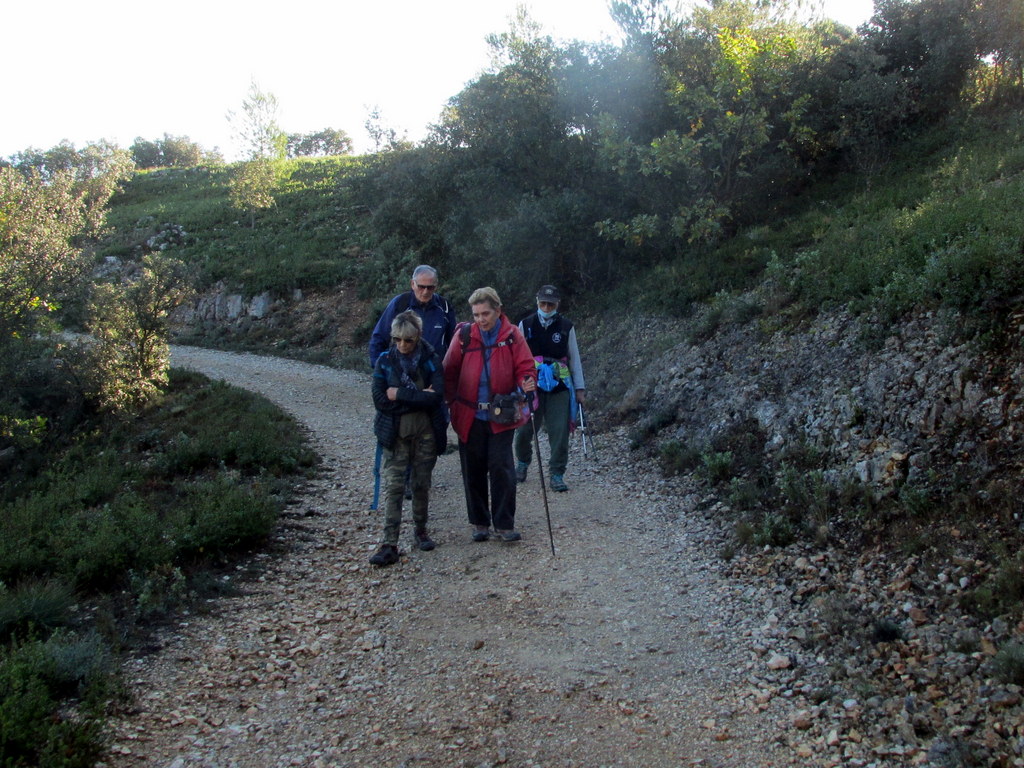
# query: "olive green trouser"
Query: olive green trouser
{"points": [[417, 451], [553, 412]]}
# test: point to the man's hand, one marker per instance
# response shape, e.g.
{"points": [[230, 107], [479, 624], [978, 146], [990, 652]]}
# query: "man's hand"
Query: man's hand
{"points": [[581, 396], [392, 393], [529, 384]]}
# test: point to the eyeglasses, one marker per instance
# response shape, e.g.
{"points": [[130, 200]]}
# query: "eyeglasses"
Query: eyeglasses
{"points": [[400, 340], [422, 287]]}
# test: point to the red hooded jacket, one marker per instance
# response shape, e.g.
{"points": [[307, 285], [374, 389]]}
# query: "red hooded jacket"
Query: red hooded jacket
{"points": [[511, 364]]}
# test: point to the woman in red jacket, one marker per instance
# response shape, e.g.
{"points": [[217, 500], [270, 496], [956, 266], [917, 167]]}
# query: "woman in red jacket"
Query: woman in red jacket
{"points": [[491, 359]]}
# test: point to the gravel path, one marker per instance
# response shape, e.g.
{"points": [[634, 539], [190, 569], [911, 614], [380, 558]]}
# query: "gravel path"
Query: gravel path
{"points": [[626, 648]]}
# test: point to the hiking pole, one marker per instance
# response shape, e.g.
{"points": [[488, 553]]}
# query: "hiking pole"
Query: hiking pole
{"points": [[543, 488], [584, 434], [377, 457]]}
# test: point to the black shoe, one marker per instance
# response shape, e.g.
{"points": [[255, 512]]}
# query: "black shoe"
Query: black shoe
{"points": [[386, 555], [510, 535], [423, 541], [481, 533]]}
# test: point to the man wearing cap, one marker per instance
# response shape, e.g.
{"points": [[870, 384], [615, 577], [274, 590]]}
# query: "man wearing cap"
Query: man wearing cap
{"points": [[560, 385]]}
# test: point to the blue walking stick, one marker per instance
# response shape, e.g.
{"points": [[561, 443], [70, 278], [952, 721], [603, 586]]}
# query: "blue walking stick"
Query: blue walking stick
{"points": [[377, 456]]}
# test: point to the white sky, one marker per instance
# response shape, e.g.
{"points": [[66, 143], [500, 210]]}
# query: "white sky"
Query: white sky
{"points": [[121, 69]]}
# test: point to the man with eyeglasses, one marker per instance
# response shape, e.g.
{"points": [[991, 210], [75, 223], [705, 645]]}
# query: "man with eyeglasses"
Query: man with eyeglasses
{"points": [[437, 314], [439, 322]]}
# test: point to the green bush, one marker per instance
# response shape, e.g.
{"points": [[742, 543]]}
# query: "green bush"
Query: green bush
{"points": [[124, 515], [717, 466], [1002, 593], [36, 678], [676, 457], [1009, 663], [34, 605], [220, 515]]}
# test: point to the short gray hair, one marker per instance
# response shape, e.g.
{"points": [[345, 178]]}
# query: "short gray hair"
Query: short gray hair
{"points": [[424, 269]]}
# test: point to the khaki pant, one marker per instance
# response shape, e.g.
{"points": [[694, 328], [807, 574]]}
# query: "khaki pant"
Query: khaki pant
{"points": [[417, 451]]}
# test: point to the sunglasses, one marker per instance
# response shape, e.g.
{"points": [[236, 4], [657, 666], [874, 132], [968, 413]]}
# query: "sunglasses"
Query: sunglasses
{"points": [[426, 287], [400, 340]]}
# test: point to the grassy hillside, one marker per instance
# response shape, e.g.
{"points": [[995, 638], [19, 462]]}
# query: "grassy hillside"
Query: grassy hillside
{"points": [[306, 240], [937, 228]]}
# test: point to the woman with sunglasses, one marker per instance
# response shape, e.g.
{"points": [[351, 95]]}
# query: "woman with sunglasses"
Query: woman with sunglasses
{"points": [[411, 426]]}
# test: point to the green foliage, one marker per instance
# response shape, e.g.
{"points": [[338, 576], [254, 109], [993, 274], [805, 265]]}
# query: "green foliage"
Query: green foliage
{"points": [[323, 143], [810, 500], [170, 152], [253, 183], [946, 237], [34, 606], [673, 167], [125, 514], [1002, 593], [1009, 663], [256, 128], [130, 325], [717, 466], [36, 677], [102, 510], [48, 203], [252, 186], [676, 457]]}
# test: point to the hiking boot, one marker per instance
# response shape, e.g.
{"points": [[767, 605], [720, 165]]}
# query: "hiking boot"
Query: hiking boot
{"points": [[423, 541], [386, 555], [481, 533], [510, 535], [521, 467], [558, 483]]}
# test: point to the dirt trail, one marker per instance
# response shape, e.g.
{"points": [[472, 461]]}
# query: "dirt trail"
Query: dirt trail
{"points": [[624, 649]]}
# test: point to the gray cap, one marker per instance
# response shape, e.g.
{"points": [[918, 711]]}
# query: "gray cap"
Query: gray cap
{"points": [[548, 293]]}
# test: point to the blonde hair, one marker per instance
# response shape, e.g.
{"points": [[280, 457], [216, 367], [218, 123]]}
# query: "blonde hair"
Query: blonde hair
{"points": [[489, 295], [407, 324]]}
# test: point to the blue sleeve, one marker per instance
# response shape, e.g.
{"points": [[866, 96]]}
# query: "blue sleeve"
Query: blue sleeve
{"points": [[380, 339]]}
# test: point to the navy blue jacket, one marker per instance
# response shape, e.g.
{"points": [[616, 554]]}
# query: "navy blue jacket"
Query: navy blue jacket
{"points": [[438, 323]]}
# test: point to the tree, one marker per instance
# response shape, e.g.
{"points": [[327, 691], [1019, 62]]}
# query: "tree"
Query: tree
{"points": [[252, 186], [168, 152], [385, 138], [130, 319], [258, 133], [1001, 36], [181, 152], [931, 43], [734, 106], [146, 154], [49, 202], [325, 143], [255, 180]]}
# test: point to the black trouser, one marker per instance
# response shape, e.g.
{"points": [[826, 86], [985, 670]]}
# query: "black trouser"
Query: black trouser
{"points": [[487, 461]]}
